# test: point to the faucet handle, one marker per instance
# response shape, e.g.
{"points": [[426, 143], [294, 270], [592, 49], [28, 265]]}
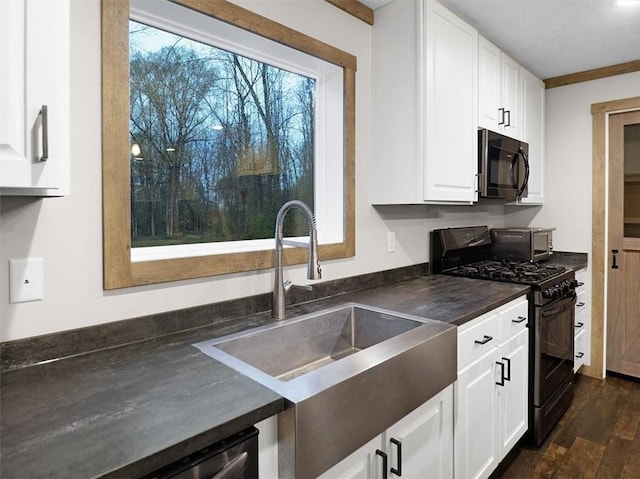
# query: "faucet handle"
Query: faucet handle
{"points": [[288, 285], [306, 287]]}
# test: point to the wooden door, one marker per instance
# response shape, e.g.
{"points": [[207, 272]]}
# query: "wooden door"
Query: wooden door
{"points": [[623, 283]]}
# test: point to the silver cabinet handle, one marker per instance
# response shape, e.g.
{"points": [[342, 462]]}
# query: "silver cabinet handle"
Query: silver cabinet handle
{"points": [[45, 133]]}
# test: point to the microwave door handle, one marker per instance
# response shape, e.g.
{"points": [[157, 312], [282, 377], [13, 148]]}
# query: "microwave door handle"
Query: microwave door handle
{"points": [[526, 171], [513, 173]]}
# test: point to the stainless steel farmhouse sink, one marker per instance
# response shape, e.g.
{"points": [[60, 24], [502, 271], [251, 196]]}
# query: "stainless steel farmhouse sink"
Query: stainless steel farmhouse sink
{"points": [[347, 373]]}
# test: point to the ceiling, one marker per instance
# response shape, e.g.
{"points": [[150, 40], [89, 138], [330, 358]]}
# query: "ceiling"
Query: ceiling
{"points": [[554, 37]]}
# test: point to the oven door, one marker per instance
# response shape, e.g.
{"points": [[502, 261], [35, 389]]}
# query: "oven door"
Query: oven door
{"points": [[541, 245], [553, 349]]}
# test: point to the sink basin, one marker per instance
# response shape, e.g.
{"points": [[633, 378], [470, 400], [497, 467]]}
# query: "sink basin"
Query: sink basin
{"points": [[297, 347], [347, 373]]}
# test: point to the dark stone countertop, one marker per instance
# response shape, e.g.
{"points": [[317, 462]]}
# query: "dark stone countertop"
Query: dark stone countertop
{"points": [[575, 261], [128, 410]]}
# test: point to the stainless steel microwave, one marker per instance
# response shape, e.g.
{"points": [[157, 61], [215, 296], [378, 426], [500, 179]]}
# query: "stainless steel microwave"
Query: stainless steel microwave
{"points": [[530, 244], [503, 166]]}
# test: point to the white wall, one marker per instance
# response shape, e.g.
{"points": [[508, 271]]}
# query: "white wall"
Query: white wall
{"points": [[67, 232], [568, 150]]}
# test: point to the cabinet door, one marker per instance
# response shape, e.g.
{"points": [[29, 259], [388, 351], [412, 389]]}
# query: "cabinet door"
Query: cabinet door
{"points": [[513, 397], [34, 50], [488, 84], [361, 464], [475, 431], [425, 438], [449, 80], [533, 100], [511, 98], [12, 95]]}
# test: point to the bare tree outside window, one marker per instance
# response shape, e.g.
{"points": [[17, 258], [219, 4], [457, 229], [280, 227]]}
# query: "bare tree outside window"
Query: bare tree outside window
{"points": [[219, 142]]}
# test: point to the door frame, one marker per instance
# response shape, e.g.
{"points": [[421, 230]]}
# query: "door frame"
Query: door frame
{"points": [[600, 124]]}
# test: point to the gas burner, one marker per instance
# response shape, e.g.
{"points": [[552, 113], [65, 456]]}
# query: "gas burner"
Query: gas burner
{"points": [[512, 271]]}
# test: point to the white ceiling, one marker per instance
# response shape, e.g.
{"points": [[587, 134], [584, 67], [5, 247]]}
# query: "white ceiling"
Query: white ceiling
{"points": [[554, 37]]}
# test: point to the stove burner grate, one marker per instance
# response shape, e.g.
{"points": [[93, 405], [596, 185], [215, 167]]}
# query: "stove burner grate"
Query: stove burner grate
{"points": [[508, 270]]}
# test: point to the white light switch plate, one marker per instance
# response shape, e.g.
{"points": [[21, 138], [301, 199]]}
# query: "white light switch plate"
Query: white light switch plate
{"points": [[25, 280], [391, 242]]}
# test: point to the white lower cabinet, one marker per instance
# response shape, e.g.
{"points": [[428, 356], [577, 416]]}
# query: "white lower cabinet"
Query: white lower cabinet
{"points": [[582, 333], [268, 448], [419, 445], [491, 393]]}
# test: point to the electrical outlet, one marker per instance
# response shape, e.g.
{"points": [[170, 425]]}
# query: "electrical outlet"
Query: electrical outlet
{"points": [[25, 280], [391, 242]]}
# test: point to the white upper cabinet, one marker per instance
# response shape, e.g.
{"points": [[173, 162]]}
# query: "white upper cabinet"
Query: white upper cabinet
{"points": [[511, 101], [511, 97], [533, 99], [499, 85], [34, 98], [424, 103], [489, 85]]}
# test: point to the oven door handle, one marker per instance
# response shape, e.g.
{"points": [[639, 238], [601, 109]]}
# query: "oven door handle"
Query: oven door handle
{"points": [[568, 303]]}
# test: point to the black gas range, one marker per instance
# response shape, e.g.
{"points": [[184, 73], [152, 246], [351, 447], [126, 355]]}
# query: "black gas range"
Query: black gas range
{"points": [[468, 252]]}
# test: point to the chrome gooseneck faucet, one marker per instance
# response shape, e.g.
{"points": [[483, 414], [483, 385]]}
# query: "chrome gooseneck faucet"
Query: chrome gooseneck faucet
{"points": [[280, 286]]}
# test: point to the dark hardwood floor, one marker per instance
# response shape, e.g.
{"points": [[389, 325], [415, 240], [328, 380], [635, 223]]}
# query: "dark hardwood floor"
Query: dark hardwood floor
{"points": [[598, 437]]}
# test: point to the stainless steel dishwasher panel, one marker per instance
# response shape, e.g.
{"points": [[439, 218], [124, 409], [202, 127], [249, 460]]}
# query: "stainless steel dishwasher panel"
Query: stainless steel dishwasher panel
{"points": [[233, 458]]}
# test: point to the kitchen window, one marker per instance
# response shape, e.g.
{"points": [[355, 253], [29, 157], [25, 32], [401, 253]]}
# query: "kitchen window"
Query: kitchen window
{"points": [[224, 123]]}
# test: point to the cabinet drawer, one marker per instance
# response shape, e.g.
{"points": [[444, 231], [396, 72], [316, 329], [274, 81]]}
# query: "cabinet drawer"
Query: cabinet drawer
{"points": [[580, 352], [477, 339], [581, 301], [579, 324], [513, 318]]}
